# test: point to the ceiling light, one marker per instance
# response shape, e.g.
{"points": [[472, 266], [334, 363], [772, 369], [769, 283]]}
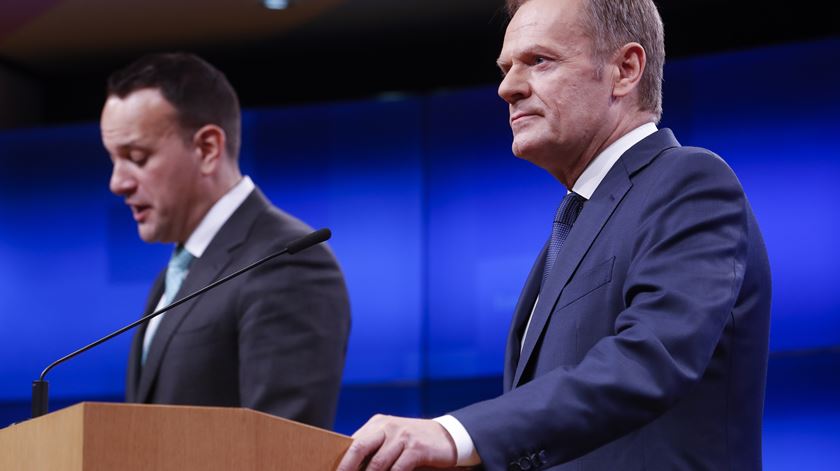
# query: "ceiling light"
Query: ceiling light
{"points": [[277, 4]]}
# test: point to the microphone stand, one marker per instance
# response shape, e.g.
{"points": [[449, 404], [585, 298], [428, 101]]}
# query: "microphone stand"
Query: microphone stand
{"points": [[40, 387]]}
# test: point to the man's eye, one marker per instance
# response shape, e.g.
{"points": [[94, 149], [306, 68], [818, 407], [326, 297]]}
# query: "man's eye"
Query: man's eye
{"points": [[539, 60], [138, 158]]}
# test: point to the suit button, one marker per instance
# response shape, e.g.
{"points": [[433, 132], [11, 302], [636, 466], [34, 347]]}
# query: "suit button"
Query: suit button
{"points": [[525, 464]]}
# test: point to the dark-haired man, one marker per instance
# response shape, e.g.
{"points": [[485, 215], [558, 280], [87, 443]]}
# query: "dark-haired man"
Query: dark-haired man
{"points": [[273, 339], [639, 341]]}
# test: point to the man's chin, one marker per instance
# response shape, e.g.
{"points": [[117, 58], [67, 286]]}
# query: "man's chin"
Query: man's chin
{"points": [[147, 234], [522, 148]]}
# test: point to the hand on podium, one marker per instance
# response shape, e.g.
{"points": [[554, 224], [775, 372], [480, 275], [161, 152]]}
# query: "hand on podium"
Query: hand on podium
{"points": [[387, 442]]}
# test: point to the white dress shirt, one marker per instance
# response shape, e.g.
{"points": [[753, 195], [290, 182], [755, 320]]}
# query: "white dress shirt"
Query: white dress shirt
{"points": [[585, 186]]}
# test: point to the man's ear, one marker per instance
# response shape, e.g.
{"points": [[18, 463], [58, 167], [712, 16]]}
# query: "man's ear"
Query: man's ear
{"points": [[629, 64], [209, 142]]}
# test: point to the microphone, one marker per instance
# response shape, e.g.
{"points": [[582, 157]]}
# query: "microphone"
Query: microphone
{"points": [[40, 388], [321, 235]]}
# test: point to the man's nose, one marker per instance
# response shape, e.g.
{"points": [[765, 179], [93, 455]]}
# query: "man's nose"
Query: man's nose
{"points": [[122, 181], [514, 86]]}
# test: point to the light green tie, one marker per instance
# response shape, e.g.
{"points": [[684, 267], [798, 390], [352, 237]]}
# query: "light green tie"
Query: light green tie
{"points": [[179, 266], [176, 271]]}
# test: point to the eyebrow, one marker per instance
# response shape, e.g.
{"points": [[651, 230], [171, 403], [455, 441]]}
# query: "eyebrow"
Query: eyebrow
{"points": [[131, 145]]}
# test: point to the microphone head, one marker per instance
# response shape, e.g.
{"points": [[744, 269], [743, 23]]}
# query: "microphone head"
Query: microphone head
{"points": [[309, 240]]}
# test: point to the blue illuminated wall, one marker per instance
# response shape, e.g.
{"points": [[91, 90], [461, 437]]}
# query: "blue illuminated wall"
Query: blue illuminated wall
{"points": [[436, 225], [774, 115]]}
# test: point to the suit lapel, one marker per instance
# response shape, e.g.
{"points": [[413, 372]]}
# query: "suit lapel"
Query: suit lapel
{"points": [[206, 269], [202, 273], [592, 218], [133, 373], [521, 314], [596, 212]]}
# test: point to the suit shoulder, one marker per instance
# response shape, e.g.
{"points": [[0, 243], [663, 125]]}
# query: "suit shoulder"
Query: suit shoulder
{"points": [[684, 165], [277, 228], [275, 222], [694, 158]]}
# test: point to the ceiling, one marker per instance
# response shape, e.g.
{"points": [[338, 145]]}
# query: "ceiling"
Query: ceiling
{"points": [[321, 50]]}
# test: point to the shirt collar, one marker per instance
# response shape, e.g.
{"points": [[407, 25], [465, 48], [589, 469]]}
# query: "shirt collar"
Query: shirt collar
{"points": [[595, 172], [218, 216]]}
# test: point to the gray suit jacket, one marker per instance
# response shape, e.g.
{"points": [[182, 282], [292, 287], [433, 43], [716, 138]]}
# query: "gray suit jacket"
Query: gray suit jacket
{"points": [[273, 339], [648, 347]]}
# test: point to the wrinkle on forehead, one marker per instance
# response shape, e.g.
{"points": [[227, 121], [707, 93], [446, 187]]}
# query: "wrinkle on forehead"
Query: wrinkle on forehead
{"points": [[548, 15], [550, 24], [532, 24]]}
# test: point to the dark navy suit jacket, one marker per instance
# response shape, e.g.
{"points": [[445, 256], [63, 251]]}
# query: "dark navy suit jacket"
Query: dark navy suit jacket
{"points": [[272, 340], [648, 347]]}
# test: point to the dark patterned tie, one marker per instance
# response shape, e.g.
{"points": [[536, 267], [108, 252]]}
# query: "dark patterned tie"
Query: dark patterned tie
{"points": [[563, 220]]}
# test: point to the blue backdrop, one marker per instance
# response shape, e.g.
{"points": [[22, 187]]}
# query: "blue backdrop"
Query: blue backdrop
{"points": [[436, 225]]}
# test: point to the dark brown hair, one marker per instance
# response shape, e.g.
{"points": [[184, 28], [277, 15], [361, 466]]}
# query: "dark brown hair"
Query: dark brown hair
{"points": [[200, 93]]}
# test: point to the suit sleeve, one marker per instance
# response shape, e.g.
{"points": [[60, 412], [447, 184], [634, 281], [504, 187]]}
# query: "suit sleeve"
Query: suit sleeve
{"points": [[684, 274], [293, 329]]}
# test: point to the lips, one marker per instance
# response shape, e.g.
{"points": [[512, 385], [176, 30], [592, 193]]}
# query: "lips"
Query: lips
{"points": [[521, 115], [140, 212]]}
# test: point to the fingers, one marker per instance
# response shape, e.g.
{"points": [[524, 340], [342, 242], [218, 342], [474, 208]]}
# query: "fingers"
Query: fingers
{"points": [[407, 461], [399, 444], [385, 457], [366, 440], [355, 456]]}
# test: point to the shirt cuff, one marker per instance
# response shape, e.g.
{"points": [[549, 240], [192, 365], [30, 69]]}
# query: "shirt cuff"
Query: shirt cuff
{"points": [[467, 456]]}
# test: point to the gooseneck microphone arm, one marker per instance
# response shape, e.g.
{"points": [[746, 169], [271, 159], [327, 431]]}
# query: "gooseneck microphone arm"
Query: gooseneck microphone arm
{"points": [[40, 388]]}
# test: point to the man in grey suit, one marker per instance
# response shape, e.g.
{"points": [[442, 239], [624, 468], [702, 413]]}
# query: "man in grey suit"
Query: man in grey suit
{"points": [[640, 339], [273, 339]]}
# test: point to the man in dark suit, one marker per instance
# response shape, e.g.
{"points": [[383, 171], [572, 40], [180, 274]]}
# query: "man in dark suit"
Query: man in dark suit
{"points": [[273, 339], [640, 339]]}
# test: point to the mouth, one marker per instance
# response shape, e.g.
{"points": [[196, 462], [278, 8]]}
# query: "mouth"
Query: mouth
{"points": [[520, 116], [140, 212]]}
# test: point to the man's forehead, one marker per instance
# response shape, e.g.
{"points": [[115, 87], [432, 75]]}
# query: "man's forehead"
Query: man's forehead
{"points": [[530, 27], [527, 34], [127, 123], [527, 37], [140, 105], [531, 24], [144, 100], [544, 14]]}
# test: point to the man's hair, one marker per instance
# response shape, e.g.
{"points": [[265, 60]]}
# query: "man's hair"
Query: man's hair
{"points": [[200, 93], [614, 23]]}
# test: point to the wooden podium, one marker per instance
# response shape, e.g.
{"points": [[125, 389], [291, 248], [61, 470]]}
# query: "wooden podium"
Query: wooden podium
{"points": [[128, 437]]}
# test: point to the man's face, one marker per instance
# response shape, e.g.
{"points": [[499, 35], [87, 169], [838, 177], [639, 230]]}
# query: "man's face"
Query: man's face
{"points": [[557, 100], [155, 169]]}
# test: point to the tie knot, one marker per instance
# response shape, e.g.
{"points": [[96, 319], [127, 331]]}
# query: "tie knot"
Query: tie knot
{"points": [[181, 259], [569, 209]]}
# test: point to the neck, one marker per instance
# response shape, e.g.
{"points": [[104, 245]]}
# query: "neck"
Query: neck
{"points": [[217, 186], [569, 174]]}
